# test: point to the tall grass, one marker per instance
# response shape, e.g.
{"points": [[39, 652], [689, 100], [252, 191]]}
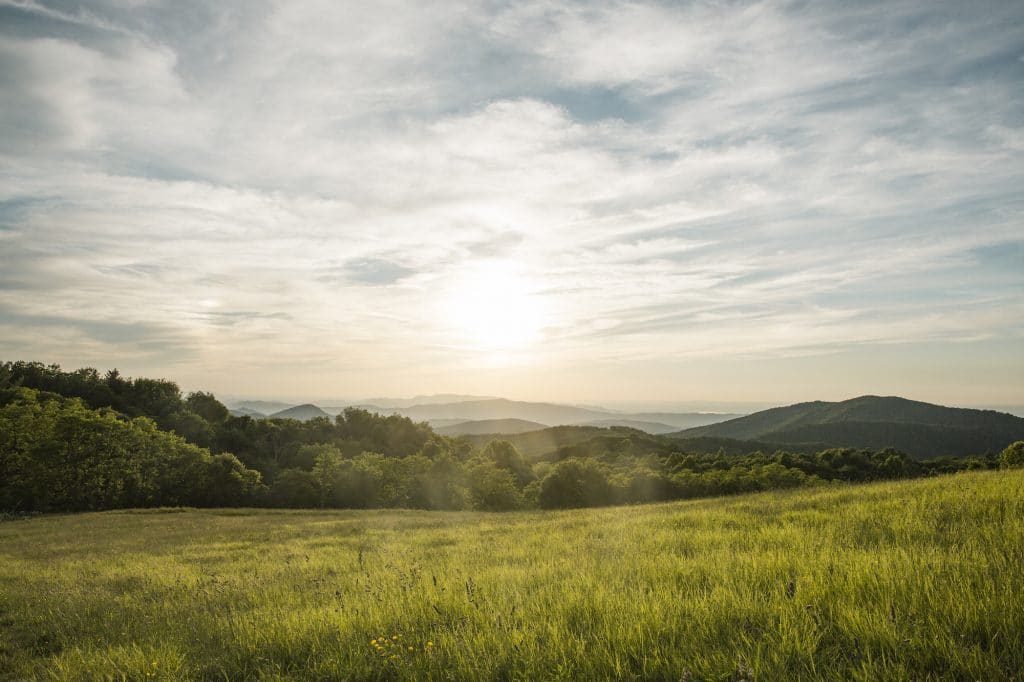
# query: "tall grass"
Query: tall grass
{"points": [[914, 580]]}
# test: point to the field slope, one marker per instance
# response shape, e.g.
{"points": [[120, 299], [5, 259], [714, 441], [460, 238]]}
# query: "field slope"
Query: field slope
{"points": [[910, 580]]}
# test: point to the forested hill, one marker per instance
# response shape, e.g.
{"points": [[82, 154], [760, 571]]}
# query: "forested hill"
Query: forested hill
{"points": [[917, 428]]}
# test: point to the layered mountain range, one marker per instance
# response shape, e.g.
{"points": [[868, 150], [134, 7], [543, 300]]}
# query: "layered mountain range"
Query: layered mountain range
{"points": [[472, 415], [917, 428]]}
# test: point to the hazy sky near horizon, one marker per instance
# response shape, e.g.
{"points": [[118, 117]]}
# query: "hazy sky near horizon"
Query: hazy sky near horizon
{"points": [[731, 201]]}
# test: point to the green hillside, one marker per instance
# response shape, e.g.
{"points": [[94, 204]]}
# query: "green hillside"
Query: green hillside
{"points": [[489, 426], [534, 444], [917, 428], [892, 581], [734, 447], [557, 442]]}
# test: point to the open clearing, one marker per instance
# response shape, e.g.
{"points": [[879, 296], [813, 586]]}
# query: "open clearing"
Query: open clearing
{"points": [[911, 580]]}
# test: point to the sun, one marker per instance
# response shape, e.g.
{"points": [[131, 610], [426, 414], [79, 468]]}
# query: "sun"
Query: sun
{"points": [[493, 307]]}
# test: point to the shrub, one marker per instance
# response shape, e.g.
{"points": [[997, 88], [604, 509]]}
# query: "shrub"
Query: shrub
{"points": [[1013, 456]]}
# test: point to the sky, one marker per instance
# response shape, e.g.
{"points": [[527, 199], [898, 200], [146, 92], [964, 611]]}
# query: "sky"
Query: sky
{"points": [[757, 202]]}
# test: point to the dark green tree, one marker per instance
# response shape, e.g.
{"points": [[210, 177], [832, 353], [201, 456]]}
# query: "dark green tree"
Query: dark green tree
{"points": [[505, 456], [492, 488], [295, 488], [207, 407], [575, 483]]}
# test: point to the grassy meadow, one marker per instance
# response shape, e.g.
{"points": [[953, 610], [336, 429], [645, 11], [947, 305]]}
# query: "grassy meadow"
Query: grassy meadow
{"points": [[912, 580]]}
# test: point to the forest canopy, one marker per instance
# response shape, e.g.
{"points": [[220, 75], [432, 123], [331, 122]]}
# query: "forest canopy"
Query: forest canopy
{"points": [[79, 440]]}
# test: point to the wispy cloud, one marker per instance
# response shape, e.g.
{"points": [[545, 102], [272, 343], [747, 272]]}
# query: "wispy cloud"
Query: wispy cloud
{"points": [[297, 191], [80, 17]]}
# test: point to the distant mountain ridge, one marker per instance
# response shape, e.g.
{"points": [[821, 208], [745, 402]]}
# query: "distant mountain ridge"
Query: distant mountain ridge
{"points": [[682, 420], [434, 399], [301, 412], [654, 428], [546, 414], [246, 412], [917, 428], [493, 408], [489, 426], [263, 407], [505, 414]]}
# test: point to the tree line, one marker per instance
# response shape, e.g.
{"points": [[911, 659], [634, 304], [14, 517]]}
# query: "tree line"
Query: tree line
{"points": [[56, 454], [79, 440]]}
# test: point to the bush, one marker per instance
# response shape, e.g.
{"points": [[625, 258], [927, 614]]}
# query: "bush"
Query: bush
{"points": [[1013, 456]]}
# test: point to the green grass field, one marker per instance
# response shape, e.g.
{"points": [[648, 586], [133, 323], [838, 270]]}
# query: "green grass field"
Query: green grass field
{"points": [[912, 580]]}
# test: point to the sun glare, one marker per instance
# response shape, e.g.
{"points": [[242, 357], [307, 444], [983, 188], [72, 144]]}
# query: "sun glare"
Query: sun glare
{"points": [[494, 308]]}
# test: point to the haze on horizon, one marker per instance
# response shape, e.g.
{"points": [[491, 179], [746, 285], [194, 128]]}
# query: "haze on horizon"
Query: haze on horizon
{"points": [[761, 202]]}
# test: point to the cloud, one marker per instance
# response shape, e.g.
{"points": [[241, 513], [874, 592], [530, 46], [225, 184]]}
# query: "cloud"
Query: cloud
{"points": [[91, 338], [304, 182], [375, 271], [81, 17]]}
